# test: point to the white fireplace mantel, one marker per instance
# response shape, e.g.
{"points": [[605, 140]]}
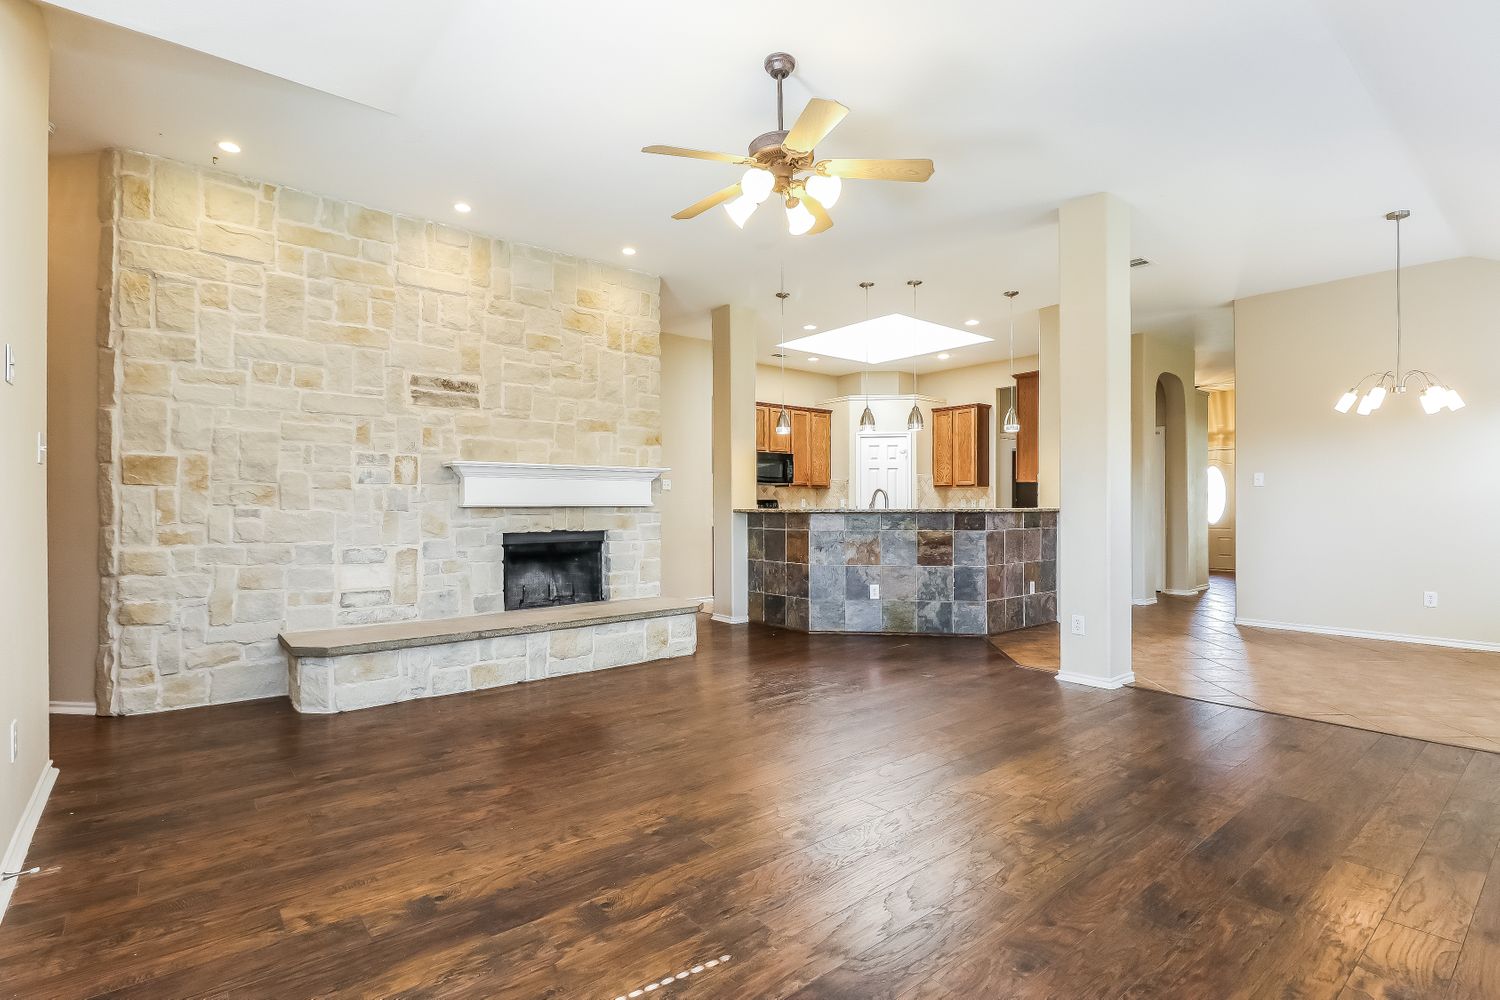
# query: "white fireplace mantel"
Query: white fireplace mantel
{"points": [[520, 484]]}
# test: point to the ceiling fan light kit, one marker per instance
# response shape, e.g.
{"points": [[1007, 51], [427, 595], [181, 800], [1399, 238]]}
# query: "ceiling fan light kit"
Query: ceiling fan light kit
{"points": [[782, 162], [1435, 396]]}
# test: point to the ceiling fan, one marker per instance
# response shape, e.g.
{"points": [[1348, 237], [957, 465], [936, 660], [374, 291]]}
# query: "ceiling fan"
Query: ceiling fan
{"points": [[782, 162]]}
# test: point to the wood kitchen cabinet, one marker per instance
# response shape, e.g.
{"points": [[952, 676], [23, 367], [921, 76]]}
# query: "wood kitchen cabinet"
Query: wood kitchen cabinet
{"points": [[961, 445], [810, 443]]}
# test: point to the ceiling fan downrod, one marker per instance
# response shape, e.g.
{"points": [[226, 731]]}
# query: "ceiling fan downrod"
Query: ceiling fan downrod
{"points": [[780, 66]]}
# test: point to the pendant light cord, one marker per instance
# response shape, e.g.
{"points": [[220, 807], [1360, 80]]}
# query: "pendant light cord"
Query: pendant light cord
{"points": [[1398, 301], [781, 297]]}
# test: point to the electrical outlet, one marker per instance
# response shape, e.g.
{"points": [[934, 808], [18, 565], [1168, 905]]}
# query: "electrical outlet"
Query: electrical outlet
{"points": [[41, 448], [15, 739], [1033, 587], [1259, 479], [1078, 625], [1429, 598], [874, 591]]}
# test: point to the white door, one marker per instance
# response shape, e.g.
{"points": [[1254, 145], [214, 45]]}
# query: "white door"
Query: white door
{"points": [[1221, 511], [884, 463]]}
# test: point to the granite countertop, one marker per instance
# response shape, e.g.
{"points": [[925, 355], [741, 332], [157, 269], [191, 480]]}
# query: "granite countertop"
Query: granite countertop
{"points": [[894, 510]]}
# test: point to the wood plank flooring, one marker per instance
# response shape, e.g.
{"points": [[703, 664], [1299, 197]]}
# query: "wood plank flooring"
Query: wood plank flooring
{"points": [[842, 816]]}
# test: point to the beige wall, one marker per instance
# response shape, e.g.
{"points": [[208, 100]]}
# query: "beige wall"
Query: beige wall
{"points": [[285, 378], [23, 416], [72, 436], [1360, 515], [1168, 360], [687, 523]]}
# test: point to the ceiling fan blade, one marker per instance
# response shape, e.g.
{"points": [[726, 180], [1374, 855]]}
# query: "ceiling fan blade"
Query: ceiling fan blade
{"points": [[717, 198], [697, 154], [824, 223], [816, 121], [878, 170]]}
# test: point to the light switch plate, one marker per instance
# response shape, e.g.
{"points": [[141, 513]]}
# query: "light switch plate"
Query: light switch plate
{"points": [[1259, 479], [10, 364], [666, 486], [874, 591], [1429, 598]]}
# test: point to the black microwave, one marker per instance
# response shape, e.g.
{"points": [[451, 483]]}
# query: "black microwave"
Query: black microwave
{"points": [[773, 468]]}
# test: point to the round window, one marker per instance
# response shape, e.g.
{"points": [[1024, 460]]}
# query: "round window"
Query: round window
{"points": [[1218, 495]]}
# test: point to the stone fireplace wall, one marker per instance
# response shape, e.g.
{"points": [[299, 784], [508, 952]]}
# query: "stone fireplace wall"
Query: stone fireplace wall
{"points": [[283, 377]]}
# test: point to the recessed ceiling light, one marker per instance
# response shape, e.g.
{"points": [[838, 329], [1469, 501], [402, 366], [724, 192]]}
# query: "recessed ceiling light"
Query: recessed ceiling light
{"points": [[810, 326], [971, 322], [229, 146], [944, 356], [812, 359], [628, 251], [885, 338], [462, 207]]}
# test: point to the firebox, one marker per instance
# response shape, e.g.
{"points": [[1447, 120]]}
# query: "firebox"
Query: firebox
{"points": [[546, 568]]}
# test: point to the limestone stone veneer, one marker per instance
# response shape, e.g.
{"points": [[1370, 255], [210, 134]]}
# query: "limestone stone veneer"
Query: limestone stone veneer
{"points": [[325, 678]]}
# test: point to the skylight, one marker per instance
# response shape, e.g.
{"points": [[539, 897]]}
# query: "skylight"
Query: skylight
{"points": [[885, 338]]}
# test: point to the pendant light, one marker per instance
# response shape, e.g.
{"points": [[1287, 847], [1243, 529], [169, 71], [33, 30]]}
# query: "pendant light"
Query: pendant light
{"points": [[914, 418], [783, 419], [1012, 424], [1435, 395], [867, 418]]}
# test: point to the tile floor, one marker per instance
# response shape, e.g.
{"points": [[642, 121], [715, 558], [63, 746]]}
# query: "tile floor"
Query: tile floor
{"points": [[1190, 646]]}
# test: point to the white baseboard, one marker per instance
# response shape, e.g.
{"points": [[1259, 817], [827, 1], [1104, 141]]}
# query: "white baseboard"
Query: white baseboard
{"points": [[20, 840], [1351, 633], [1141, 602], [1192, 592], [731, 619], [1107, 683], [72, 708]]}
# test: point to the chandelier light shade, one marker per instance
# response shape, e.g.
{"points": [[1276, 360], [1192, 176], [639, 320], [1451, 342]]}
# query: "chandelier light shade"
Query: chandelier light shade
{"points": [[1436, 395], [1012, 423], [914, 420]]}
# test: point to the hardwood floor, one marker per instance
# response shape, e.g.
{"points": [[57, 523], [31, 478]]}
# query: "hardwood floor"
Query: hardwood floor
{"points": [[1190, 646], [841, 816]]}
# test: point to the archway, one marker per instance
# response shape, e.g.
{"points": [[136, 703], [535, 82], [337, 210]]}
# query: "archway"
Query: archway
{"points": [[1169, 479]]}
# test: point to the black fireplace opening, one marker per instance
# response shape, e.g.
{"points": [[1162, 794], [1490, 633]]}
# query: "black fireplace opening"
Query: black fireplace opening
{"points": [[544, 569]]}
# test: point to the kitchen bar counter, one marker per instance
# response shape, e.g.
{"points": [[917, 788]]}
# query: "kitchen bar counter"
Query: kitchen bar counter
{"points": [[951, 571]]}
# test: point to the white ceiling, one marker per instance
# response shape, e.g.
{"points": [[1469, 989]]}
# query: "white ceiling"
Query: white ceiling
{"points": [[1259, 144]]}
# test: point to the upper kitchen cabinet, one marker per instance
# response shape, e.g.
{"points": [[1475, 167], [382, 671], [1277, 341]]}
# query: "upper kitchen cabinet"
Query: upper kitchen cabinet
{"points": [[961, 445], [810, 443]]}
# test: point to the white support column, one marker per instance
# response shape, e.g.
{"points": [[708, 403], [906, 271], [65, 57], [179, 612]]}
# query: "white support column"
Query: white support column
{"points": [[1049, 413], [1093, 537], [733, 458]]}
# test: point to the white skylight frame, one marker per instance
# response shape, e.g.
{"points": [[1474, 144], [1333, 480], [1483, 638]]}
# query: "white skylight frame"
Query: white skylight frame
{"points": [[893, 337]]}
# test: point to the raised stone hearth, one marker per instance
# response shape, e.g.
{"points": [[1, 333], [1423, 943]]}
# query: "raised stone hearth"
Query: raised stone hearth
{"points": [[336, 670]]}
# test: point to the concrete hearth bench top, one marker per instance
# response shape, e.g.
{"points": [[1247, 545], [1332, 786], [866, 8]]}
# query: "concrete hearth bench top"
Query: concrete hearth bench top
{"points": [[352, 639]]}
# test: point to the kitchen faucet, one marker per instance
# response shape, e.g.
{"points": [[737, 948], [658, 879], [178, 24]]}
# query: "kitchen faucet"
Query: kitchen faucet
{"points": [[880, 493]]}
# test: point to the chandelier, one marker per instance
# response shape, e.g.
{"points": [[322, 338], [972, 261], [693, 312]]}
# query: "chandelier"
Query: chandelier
{"points": [[1435, 395]]}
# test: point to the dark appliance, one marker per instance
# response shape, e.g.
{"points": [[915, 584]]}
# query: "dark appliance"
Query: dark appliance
{"points": [[773, 468]]}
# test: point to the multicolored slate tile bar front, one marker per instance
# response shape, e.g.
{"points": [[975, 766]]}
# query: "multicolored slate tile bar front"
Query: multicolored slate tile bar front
{"points": [[940, 572]]}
